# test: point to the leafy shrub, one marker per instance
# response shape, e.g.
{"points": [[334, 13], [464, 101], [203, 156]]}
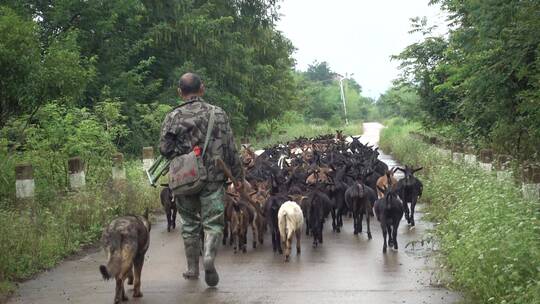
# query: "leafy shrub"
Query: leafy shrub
{"points": [[488, 233]]}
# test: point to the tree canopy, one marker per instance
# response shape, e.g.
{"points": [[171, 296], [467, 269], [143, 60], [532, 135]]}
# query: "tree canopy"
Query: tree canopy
{"points": [[482, 78], [128, 55]]}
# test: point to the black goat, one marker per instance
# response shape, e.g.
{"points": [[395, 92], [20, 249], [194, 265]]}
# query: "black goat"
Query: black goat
{"points": [[319, 205], [389, 211], [409, 190], [357, 198], [169, 206], [271, 210]]}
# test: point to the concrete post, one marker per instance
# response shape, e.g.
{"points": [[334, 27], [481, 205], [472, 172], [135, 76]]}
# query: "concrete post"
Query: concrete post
{"points": [[147, 157], [24, 181], [118, 170], [444, 152], [457, 153], [502, 164], [531, 182], [470, 156], [486, 159], [77, 178]]}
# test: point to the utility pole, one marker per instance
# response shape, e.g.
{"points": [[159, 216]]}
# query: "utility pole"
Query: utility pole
{"points": [[343, 99]]}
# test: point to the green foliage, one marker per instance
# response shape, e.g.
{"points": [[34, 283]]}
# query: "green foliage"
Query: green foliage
{"points": [[483, 78], [319, 96], [50, 137], [286, 132], [87, 53], [488, 233], [400, 102], [320, 72]]}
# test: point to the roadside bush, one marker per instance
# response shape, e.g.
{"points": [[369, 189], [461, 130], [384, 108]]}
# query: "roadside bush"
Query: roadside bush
{"points": [[488, 233], [36, 235]]}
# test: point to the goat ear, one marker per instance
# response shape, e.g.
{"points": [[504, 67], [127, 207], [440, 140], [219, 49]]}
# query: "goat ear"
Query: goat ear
{"points": [[416, 170], [394, 170], [400, 169]]}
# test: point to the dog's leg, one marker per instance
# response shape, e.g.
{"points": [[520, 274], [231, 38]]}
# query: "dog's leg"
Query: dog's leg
{"points": [[119, 294], [138, 264], [130, 277]]}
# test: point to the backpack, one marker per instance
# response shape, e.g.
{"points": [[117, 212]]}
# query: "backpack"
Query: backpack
{"points": [[187, 173]]}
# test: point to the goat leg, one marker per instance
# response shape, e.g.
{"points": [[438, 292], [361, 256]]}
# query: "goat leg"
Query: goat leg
{"points": [[384, 232], [390, 235], [413, 205], [298, 241], [394, 233], [367, 220]]}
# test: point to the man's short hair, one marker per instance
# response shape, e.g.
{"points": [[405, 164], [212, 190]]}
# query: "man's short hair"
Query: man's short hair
{"points": [[190, 83]]}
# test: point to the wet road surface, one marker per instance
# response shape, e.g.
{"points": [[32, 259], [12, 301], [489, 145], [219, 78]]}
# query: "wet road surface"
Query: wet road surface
{"points": [[345, 269]]}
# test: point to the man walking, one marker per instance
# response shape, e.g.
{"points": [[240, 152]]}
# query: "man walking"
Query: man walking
{"points": [[185, 129]]}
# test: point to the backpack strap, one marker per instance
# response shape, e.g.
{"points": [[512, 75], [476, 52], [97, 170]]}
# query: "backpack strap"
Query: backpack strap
{"points": [[209, 129]]}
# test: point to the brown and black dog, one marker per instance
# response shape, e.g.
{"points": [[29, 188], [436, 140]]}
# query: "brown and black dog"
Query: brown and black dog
{"points": [[126, 240]]}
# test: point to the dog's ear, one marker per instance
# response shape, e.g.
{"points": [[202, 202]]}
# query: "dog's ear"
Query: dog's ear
{"points": [[146, 214]]}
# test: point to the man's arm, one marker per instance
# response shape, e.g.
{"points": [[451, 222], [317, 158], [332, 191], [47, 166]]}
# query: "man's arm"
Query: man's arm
{"points": [[231, 153], [167, 141]]}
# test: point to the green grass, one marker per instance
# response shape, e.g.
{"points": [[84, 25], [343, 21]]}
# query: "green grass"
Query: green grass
{"points": [[489, 235], [37, 235], [292, 131]]}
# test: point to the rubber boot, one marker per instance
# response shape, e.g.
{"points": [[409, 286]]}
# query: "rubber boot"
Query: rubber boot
{"points": [[192, 247], [211, 242]]}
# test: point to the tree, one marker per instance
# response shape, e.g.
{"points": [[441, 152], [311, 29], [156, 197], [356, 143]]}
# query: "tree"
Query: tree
{"points": [[483, 78]]}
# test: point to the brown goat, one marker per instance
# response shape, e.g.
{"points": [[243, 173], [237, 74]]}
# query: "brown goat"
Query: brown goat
{"points": [[382, 182], [240, 216]]}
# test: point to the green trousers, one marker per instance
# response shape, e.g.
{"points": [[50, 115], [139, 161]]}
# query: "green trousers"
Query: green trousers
{"points": [[203, 210]]}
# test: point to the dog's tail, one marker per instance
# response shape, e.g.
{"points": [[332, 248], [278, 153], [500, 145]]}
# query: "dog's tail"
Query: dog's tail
{"points": [[104, 272], [120, 259]]}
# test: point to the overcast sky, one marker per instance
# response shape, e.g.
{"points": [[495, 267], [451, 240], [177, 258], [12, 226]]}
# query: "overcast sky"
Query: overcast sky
{"points": [[354, 36]]}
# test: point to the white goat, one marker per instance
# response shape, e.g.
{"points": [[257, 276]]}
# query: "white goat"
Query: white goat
{"points": [[290, 221]]}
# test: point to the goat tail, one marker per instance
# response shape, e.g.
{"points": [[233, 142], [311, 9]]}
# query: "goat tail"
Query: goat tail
{"points": [[282, 224], [388, 203], [288, 224]]}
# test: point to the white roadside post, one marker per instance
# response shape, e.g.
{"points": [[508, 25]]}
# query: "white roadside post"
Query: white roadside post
{"points": [[531, 182], [502, 165], [24, 182], [457, 154], [470, 157], [147, 157], [486, 159], [77, 177], [119, 172]]}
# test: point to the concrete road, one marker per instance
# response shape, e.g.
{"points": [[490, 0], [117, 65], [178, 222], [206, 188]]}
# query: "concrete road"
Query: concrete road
{"points": [[345, 269]]}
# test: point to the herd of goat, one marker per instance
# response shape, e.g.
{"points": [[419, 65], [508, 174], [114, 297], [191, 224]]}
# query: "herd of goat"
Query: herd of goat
{"points": [[305, 181]]}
